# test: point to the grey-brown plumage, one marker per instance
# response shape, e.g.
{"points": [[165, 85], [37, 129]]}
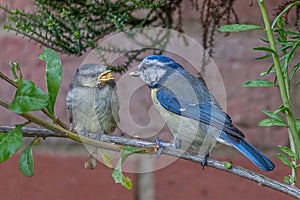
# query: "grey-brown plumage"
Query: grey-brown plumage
{"points": [[92, 101]]}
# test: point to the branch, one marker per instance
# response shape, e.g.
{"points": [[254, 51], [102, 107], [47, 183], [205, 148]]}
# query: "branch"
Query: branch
{"points": [[114, 143]]}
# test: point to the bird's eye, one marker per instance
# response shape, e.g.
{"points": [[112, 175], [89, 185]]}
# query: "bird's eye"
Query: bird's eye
{"points": [[92, 75]]}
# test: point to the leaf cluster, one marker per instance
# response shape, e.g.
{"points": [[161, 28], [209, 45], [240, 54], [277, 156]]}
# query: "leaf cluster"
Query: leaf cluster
{"points": [[73, 26], [29, 97], [282, 50], [289, 158]]}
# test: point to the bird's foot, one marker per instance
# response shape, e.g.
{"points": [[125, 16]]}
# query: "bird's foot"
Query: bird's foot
{"points": [[123, 134], [204, 161], [85, 134], [98, 136], [160, 145]]}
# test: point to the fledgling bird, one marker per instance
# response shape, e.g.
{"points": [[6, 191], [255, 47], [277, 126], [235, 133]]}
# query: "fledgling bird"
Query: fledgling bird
{"points": [[192, 114], [92, 101]]}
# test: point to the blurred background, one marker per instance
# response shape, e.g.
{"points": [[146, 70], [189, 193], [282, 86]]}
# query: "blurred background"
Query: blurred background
{"points": [[59, 171]]}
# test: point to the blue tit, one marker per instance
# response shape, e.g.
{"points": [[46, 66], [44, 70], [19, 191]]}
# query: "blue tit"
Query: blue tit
{"points": [[191, 112], [92, 101]]}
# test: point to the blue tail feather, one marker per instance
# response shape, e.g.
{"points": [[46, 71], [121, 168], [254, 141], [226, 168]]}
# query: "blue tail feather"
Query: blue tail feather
{"points": [[254, 155]]}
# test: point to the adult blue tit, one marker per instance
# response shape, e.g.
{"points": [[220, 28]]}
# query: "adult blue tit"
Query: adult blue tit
{"points": [[191, 112], [92, 101]]}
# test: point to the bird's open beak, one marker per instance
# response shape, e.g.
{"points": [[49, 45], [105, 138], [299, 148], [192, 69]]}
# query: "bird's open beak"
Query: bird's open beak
{"points": [[134, 73], [105, 76]]}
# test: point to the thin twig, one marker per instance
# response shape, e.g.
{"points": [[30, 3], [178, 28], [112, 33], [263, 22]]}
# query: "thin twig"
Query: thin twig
{"points": [[114, 142], [7, 79]]}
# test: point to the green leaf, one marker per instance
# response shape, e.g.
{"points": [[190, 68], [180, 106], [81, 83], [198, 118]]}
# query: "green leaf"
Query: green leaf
{"points": [[126, 182], [264, 57], [107, 159], [258, 83], [280, 23], [266, 72], [270, 70], [293, 179], [15, 66], [238, 27], [53, 75], [283, 109], [295, 68], [128, 150], [264, 49], [227, 165], [288, 57], [120, 178], [298, 125], [285, 160], [28, 97], [10, 142], [284, 11], [288, 151], [264, 40], [26, 164], [287, 180], [273, 115], [117, 173], [271, 122], [36, 141]]}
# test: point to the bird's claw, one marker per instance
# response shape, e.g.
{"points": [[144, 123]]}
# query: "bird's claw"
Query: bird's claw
{"points": [[94, 136], [160, 145], [98, 135], [85, 134], [204, 161]]}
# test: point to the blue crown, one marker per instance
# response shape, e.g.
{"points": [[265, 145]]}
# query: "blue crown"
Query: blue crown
{"points": [[163, 59]]}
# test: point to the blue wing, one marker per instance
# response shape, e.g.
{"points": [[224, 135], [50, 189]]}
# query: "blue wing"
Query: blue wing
{"points": [[206, 112], [211, 114]]}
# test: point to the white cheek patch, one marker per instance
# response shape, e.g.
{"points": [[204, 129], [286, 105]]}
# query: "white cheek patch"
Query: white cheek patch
{"points": [[152, 75]]}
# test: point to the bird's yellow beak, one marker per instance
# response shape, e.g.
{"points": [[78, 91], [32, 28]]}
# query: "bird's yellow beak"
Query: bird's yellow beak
{"points": [[134, 73], [105, 76]]}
